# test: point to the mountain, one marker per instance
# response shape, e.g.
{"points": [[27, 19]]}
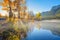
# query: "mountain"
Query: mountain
{"points": [[54, 13], [55, 9]]}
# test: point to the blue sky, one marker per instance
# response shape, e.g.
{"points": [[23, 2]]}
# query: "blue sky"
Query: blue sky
{"points": [[41, 5]]}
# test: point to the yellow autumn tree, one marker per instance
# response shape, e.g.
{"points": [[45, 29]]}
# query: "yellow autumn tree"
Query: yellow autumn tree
{"points": [[38, 16], [0, 15]]}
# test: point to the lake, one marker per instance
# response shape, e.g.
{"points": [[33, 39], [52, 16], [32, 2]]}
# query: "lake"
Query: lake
{"points": [[50, 30]]}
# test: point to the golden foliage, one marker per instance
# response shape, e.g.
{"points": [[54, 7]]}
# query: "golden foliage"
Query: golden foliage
{"points": [[0, 15], [13, 37], [5, 8], [38, 15]]}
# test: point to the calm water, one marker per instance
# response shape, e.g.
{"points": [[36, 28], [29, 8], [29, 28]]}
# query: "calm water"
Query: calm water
{"points": [[42, 35], [46, 31]]}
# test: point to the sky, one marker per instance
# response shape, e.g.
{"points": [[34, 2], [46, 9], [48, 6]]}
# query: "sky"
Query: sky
{"points": [[41, 5], [38, 5]]}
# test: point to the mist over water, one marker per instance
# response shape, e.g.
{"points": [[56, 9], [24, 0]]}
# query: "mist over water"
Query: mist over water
{"points": [[49, 31]]}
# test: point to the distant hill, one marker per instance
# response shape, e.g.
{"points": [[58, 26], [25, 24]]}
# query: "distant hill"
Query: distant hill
{"points": [[54, 13]]}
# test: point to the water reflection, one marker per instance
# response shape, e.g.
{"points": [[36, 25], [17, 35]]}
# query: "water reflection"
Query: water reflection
{"points": [[49, 30], [42, 35]]}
